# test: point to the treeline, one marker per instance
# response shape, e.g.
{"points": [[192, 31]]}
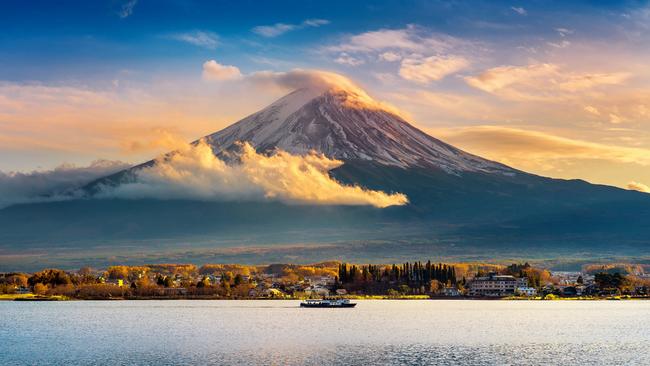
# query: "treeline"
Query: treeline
{"points": [[407, 278]]}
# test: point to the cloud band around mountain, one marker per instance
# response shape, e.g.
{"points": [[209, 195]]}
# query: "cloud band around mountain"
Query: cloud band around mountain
{"points": [[194, 172]]}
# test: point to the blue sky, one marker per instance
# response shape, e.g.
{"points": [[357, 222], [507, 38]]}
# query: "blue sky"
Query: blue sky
{"points": [[559, 88], [78, 39]]}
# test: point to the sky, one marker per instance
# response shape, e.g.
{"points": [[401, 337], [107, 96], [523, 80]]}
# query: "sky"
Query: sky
{"points": [[560, 89]]}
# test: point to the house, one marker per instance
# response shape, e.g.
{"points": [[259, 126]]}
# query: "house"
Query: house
{"points": [[320, 280], [119, 282], [23, 290], [273, 293]]}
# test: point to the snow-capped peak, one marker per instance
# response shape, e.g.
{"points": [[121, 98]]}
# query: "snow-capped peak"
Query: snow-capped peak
{"points": [[343, 122]]}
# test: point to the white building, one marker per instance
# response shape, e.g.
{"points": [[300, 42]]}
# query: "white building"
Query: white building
{"points": [[526, 291], [496, 285]]}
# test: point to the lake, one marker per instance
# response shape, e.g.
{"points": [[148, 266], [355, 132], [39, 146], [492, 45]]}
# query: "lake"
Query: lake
{"points": [[281, 333]]}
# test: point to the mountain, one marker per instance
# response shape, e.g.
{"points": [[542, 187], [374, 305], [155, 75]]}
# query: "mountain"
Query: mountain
{"points": [[341, 125], [454, 196]]}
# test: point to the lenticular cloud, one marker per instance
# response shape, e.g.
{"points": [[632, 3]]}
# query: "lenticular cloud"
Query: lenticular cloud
{"points": [[194, 172]]}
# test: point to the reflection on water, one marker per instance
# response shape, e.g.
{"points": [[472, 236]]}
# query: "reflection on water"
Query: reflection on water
{"points": [[281, 333]]}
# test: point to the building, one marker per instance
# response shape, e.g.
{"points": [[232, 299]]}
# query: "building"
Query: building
{"points": [[496, 285], [317, 291], [526, 291], [450, 291]]}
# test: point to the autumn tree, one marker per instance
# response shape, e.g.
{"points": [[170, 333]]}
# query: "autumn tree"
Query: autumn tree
{"points": [[52, 277]]}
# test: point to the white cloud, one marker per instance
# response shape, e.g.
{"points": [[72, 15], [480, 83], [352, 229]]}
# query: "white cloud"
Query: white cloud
{"points": [[519, 10], [127, 9], [426, 70], [273, 30], [409, 39], [278, 29], [562, 44], [52, 185], [345, 59], [212, 70], [315, 22], [203, 39], [390, 56], [563, 32], [194, 172], [636, 186]]}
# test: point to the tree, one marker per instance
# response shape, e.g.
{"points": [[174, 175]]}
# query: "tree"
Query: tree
{"points": [[40, 288], [18, 279], [52, 277], [238, 280], [434, 286], [607, 281]]}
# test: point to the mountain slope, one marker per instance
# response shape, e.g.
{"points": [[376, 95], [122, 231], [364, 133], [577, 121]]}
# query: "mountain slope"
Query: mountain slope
{"points": [[452, 194], [336, 124]]}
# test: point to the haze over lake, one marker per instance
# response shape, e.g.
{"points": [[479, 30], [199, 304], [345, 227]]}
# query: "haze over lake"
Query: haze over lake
{"points": [[279, 332]]}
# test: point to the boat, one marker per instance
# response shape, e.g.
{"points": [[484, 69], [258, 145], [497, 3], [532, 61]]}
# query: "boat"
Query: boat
{"points": [[328, 303]]}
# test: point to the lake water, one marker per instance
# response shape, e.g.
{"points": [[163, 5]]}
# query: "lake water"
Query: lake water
{"points": [[281, 333]]}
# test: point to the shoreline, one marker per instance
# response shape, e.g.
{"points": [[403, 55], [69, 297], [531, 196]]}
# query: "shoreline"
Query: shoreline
{"points": [[39, 298]]}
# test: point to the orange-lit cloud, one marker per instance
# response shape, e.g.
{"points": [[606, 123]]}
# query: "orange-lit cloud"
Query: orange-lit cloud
{"points": [[212, 70], [194, 172], [540, 82], [428, 69], [638, 187], [525, 147]]}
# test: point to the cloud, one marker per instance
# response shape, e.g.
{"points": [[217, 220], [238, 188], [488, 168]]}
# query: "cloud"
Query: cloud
{"points": [[390, 56], [540, 81], [274, 30], [615, 118], [320, 80], [426, 70], [593, 110], [636, 186], [315, 22], [278, 29], [194, 172], [562, 44], [212, 70], [52, 185], [527, 148], [409, 39], [127, 9], [345, 59], [519, 10], [203, 39], [160, 138], [563, 32]]}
